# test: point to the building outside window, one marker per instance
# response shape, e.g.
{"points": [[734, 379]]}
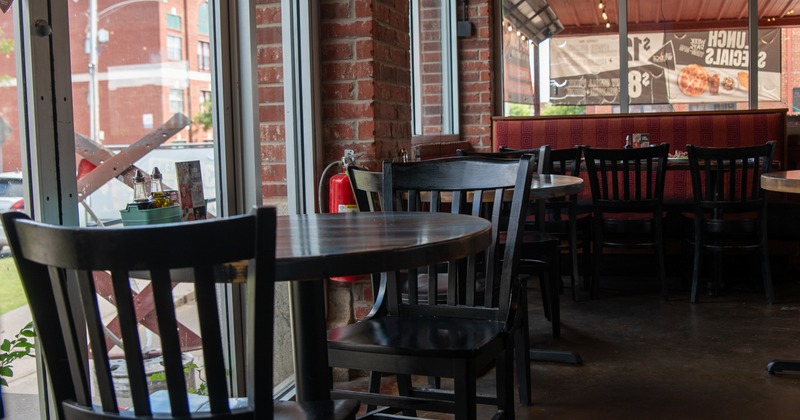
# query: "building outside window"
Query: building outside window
{"points": [[174, 49], [203, 55], [202, 18]]}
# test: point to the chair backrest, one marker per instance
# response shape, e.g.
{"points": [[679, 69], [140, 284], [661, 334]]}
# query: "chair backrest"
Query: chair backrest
{"points": [[562, 161], [627, 180], [62, 270], [540, 154], [367, 188], [728, 179], [468, 185]]}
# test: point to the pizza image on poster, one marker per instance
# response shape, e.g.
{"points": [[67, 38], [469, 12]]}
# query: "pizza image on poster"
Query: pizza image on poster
{"points": [[693, 80]]}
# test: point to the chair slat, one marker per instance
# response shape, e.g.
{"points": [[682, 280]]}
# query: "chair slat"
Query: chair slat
{"points": [[208, 317], [72, 335], [130, 338], [168, 331], [97, 341]]}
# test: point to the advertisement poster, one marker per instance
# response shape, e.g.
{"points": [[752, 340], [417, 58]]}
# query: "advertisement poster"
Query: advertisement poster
{"points": [[190, 190], [686, 67]]}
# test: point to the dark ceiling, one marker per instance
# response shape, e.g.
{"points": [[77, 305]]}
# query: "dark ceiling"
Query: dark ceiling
{"points": [[583, 16]]}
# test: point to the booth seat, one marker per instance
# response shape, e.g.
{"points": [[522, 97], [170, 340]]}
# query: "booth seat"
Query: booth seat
{"points": [[713, 128]]}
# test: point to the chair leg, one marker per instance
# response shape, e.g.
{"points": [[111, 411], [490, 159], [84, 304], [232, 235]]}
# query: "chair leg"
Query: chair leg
{"points": [[573, 255], [464, 390], [597, 253], [554, 277], [545, 286], [505, 382], [404, 389], [698, 255], [766, 272], [522, 349], [374, 387], [662, 270]]}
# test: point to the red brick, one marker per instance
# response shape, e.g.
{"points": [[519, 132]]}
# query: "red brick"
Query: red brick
{"points": [[270, 113], [338, 91], [366, 129], [351, 29], [337, 51], [338, 10]]}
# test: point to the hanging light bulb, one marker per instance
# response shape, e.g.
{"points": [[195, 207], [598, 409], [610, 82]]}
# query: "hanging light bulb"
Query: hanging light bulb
{"points": [[519, 33], [510, 28], [522, 37], [608, 25], [601, 5], [604, 15]]}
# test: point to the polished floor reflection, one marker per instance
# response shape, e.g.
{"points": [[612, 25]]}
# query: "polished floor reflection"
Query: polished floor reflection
{"points": [[647, 359]]}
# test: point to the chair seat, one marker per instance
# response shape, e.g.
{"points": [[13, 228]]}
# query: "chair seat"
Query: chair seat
{"points": [[426, 336]]}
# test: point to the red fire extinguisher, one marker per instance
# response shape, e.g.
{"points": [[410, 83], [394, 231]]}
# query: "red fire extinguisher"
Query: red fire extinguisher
{"points": [[340, 193], [342, 200]]}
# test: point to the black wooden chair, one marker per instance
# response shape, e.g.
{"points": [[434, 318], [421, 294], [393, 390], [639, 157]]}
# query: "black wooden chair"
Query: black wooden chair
{"points": [[730, 206], [627, 203], [470, 333], [539, 257], [60, 268], [563, 218], [367, 188]]}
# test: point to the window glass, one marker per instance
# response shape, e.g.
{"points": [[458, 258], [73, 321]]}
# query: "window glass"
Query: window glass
{"points": [[173, 22], [202, 18], [20, 387], [174, 48], [130, 88], [679, 58]]}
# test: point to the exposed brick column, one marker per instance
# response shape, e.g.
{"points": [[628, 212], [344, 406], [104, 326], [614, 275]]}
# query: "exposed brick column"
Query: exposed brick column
{"points": [[366, 88], [475, 79]]}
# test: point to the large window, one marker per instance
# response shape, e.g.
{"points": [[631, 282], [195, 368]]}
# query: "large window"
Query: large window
{"points": [[435, 78], [675, 58]]}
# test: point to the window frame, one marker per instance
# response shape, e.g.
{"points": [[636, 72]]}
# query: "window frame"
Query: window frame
{"points": [[449, 69]]}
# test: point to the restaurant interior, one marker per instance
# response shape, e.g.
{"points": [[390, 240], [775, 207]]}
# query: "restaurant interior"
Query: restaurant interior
{"points": [[653, 272]]}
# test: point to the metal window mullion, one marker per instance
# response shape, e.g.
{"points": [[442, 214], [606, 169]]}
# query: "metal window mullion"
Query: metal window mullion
{"points": [[449, 69], [624, 97], [752, 63], [300, 28], [416, 69]]}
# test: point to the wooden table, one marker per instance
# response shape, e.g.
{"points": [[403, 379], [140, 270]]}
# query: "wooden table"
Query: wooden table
{"points": [[787, 182], [318, 246]]}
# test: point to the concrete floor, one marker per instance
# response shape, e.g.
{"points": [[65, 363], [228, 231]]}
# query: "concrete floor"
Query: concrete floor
{"points": [[644, 358]]}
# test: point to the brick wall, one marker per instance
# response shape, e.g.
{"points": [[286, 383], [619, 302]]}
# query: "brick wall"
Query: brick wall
{"points": [[430, 66]]}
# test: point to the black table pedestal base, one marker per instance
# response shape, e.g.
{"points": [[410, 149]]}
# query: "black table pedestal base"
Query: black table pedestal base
{"points": [[778, 366]]}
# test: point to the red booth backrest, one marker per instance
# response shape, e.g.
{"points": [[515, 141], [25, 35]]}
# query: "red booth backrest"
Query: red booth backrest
{"points": [[717, 128]]}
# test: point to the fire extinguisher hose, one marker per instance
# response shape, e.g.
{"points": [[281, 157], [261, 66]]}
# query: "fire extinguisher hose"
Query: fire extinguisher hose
{"points": [[322, 179]]}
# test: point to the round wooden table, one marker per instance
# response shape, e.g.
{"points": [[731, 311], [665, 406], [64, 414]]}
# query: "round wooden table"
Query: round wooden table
{"points": [[787, 182], [550, 186], [319, 246]]}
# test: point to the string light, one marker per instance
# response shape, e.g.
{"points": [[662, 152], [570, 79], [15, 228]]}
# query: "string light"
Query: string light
{"points": [[601, 5], [604, 15], [608, 25]]}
